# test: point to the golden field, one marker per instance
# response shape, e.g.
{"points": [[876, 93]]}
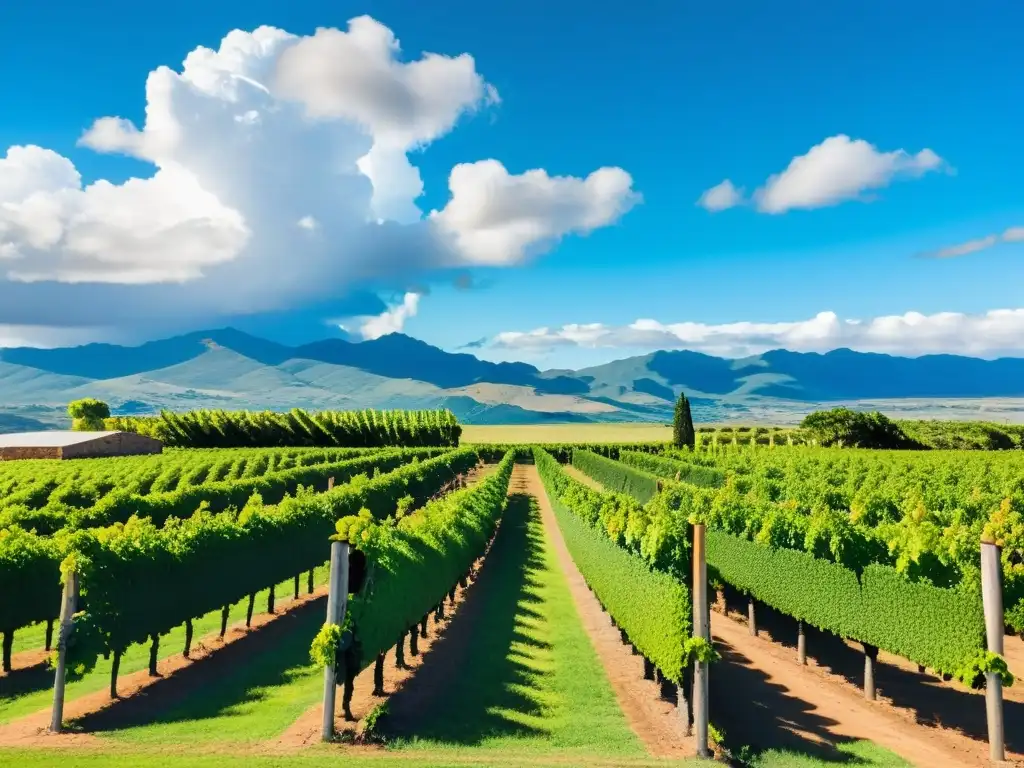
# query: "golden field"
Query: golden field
{"points": [[566, 433]]}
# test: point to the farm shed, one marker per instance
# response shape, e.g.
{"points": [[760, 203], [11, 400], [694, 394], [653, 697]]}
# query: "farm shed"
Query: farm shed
{"points": [[75, 445]]}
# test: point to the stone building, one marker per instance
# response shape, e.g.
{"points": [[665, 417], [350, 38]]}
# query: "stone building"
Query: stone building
{"points": [[75, 445]]}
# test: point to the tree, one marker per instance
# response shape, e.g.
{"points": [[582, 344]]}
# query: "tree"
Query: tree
{"points": [[842, 426], [683, 434], [87, 415]]}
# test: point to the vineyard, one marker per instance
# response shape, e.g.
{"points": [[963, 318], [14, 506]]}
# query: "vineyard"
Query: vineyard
{"points": [[577, 561]]}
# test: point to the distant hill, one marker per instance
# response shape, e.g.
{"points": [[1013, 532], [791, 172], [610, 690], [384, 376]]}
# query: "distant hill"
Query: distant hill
{"points": [[226, 368]]}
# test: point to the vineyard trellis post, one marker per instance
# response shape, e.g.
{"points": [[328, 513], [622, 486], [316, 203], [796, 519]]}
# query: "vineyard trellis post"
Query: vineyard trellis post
{"points": [[67, 612], [992, 597], [336, 599], [701, 628], [801, 643]]}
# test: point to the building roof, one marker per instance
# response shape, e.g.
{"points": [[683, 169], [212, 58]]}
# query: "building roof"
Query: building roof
{"points": [[54, 439]]}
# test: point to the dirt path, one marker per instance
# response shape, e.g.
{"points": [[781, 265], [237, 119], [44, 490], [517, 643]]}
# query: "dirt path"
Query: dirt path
{"points": [[787, 705], [178, 678], [479, 472], [655, 721], [25, 660]]}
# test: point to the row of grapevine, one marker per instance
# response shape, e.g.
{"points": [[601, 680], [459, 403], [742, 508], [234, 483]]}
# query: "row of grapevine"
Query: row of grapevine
{"points": [[54, 490], [921, 513], [30, 563], [672, 469], [230, 429], [121, 503], [137, 581], [822, 570], [635, 565], [610, 474], [563, 452], [414, 562]]}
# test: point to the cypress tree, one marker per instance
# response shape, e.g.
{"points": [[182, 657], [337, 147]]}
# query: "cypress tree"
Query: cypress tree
{"points": [[683, 434]]}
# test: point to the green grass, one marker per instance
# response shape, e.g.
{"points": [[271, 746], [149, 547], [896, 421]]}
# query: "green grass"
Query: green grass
{"points": [[254, 701], [33, 637], [316, 757], [858, 753], [25, 694], [529, 680]]}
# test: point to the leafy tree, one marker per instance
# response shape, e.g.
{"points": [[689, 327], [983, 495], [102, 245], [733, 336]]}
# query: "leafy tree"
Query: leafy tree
{"points": [[87, 415], [856, 429], [683, 435]]}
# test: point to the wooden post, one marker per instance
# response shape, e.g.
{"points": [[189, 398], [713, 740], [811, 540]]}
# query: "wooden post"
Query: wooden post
{"points": [[701, 628], [414, 642], [330, 483], [115, 666], [870, 654], [751, 618], [336, 599], [400, 652], [801, 643], [378, 675], [8, 649], [49, 634], [992, 596], [224, 612], [295, 596], [67, 612], [154, 653]]}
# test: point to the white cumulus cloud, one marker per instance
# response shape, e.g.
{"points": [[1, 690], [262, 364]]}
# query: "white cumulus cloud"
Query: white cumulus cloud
{"points": [[997, 332], [840, 169], [281, 179], [391, 320], [835, 171], [720, 197], [499, 218]]}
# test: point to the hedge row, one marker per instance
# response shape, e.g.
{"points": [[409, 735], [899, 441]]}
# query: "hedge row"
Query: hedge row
{"points": [[674, 469], [651, 606], [234, 429], [616, 476], [414, 562]]}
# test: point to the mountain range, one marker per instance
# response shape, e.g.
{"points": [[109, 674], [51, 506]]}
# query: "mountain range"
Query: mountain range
{"points": [[227, 368]]}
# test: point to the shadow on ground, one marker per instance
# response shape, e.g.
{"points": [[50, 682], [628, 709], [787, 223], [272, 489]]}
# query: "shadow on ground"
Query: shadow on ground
{"points": [[212, 687], [933, 703], [477, 681], [26, 680], [757, 715]]}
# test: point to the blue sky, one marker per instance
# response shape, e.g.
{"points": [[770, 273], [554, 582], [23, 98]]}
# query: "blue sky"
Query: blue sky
{"points": [[678, 95]]}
